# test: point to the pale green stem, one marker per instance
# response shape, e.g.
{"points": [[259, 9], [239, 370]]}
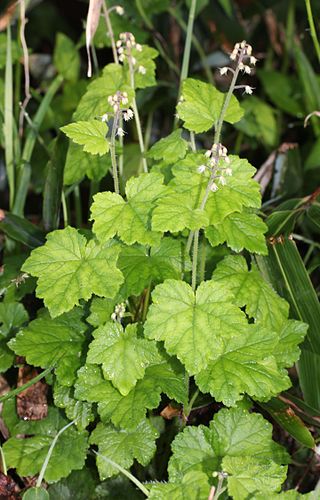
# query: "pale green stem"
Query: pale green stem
{"points": [[187, 46], [64, 209], [195, 259], [220, 489], [110, 31], [8, 119], [25, 386], [147, 134], [193, 142], [136, 115], [192, 400], [45, 463], [113, 152], [312, 28], [203, 253], [124, 472], [121, 146], [3, 460]]}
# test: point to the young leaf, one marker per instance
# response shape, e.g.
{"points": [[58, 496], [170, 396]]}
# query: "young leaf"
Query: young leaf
{"points": [[94, 102], [176, 212], [245, 366], [192, 326], [144, 59], [69, 269], [123, 446], [45, 341], [12, 315], [127, 411], [28, 454], [252, 291], [240, 230], [78, 164], [194, 484], [124, 356], [247, 475], [140, 268], [129, 219], [201, 106], [75, 410], [90, 134], [233, 433], [170, 149]]}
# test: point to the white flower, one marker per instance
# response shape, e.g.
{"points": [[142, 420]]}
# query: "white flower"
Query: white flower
{"points": [[208, 153], [214, 187], [247, 69], [119, 10], [127, 115], [139, 47], [253, 60], [114, 316], [228, 171], [122, 57], [201, 169], [233, 56], [248, 89], [133, 60], [224, 70], [119, 43], [120, 132], [142, 70], [116, 108], [104, 118], [110, 99], [222, 181]]}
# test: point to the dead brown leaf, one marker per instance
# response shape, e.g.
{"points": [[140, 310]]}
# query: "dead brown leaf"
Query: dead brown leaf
{"points": [[32, 402]]}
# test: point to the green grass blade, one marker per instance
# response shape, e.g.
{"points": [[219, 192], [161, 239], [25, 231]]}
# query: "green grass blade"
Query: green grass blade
{"points": [[285, 270], [25, 173], [19, 229], [53, 185], [8, 119]]}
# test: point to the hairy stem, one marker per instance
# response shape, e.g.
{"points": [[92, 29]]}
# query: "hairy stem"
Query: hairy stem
{"points": [[195, 259], [110, 32], [113, 153]]}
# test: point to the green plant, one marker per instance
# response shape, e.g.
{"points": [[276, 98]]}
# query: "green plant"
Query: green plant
{"points": [[151, 309]]}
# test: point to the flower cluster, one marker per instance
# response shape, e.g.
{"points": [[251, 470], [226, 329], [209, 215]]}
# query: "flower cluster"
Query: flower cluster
{"points": [[242, 54], [218, 164], [125, 44], [118, 100], [119, 312]]}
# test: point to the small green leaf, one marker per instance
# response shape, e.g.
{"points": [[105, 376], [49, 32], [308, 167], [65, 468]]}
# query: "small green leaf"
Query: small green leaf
{"points": [[170, 149], [75, 410], [240, 230], [91, 135], [124, 356], [232, 433], [247, 475], [78, 164], [201, 106], [193, 485], [123, 446], [244, 366], [130, 219], [36, 494], [12, 315], [140, 268], [144, 59], [45, 341], [69, 269], [94, 102], [27, 455], [127, 411], [176, 212], [66, 58]]}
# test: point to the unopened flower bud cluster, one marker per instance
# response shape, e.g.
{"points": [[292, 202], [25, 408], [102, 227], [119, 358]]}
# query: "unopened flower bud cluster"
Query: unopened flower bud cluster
{"points": [[125, 44], [118, 100], [218, 164], [119, 312]]}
